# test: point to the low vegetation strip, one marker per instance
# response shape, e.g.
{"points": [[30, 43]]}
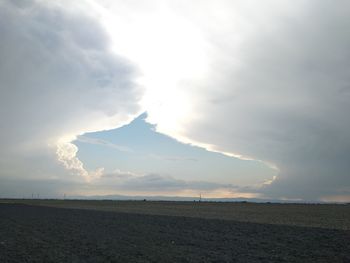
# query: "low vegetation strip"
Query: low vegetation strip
{"points": [[331, 216]]}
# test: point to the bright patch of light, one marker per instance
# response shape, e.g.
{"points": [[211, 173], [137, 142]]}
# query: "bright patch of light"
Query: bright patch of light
{"points": [[170, 52]]}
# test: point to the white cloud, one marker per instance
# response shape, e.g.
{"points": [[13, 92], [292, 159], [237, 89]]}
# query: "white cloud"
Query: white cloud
{"points": [[273, 84], [281, 96], [262, 80], [58, 79]]}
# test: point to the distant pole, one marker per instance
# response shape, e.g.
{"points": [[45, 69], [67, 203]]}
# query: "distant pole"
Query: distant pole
{"points": [[200, 197], [32, 196]]}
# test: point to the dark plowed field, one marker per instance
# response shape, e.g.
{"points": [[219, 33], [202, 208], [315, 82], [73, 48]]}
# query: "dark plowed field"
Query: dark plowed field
{"points": [[44, 234]]}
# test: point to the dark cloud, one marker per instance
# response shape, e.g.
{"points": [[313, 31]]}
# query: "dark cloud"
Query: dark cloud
{"points": [[277, 89], [58, 79], [283, 96], [158, 183]]}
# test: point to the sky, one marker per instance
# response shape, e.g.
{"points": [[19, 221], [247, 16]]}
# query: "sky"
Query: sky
{"points": [[176, 98]]}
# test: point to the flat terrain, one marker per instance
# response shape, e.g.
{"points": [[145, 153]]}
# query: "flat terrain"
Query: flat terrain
{"points": [[31, 233], [331, 216]]}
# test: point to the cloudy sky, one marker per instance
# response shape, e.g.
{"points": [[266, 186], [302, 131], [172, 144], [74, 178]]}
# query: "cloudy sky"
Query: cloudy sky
{"points": [[225, 98]]}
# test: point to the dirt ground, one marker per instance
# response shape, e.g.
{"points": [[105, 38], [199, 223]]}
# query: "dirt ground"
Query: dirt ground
{"points": [[330, 216], [46, 234]]}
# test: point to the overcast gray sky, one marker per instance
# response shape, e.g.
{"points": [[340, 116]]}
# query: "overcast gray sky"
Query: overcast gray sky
{"points": [[264, 81]]}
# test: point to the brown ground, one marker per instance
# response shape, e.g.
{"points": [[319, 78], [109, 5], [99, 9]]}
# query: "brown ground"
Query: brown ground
{"points": [[46, 234]]}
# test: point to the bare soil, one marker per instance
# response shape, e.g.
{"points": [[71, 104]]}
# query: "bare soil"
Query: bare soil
{"points": [[332, 216], [46, 234]]}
